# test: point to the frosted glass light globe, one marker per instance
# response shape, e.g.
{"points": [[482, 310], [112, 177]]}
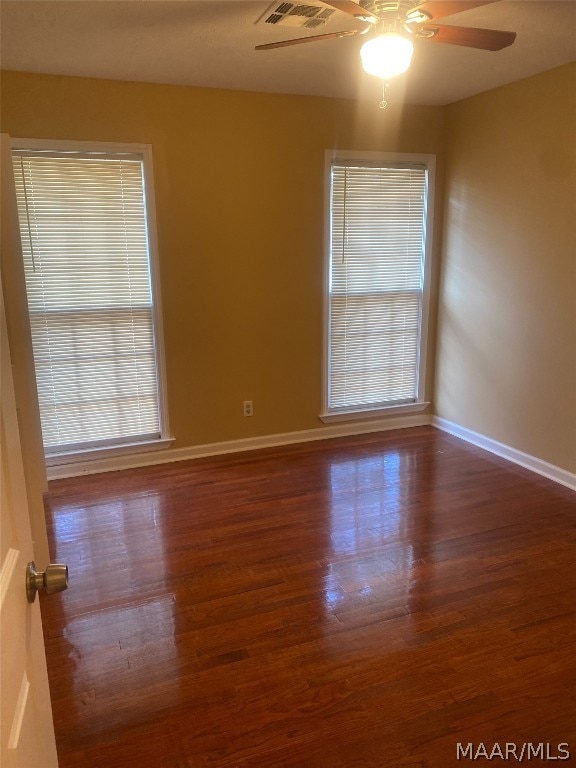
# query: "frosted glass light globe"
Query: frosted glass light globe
{"points": [[386, 55]]}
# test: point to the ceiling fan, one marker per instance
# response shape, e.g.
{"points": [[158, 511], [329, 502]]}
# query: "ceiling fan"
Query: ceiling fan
{"points": [[393, 26]]}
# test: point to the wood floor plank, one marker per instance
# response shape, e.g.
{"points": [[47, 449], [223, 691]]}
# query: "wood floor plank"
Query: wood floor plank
{"points": [[365, 601]]}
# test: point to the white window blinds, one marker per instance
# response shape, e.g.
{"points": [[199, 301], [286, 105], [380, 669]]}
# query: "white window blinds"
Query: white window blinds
{"points": [[376, 281], [86, 261]]}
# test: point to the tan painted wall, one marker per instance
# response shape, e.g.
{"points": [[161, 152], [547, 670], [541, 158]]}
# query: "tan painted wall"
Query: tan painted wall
{"points": [[239, 196], [506, 362]]}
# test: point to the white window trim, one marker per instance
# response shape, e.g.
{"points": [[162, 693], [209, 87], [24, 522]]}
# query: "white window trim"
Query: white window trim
{"points": [[145, 150], [123, 449], [354, 414]]}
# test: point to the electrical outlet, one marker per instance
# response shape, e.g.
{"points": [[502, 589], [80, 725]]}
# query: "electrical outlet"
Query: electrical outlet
{"points": [[248, 408]]}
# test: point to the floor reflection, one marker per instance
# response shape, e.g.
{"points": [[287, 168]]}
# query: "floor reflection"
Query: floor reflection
{"points": [[110, 546], [371, 553], [365, 501], [119, 615]]}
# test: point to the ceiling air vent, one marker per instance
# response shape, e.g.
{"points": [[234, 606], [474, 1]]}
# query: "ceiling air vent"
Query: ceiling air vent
{"points": [[309, 15]]}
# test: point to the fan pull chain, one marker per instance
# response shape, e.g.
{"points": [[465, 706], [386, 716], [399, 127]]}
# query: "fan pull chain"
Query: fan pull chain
{"points": [[384, 103]]}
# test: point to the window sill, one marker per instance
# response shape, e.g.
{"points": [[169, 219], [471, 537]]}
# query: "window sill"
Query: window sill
{"points": [[373, 413], [73, 457]]}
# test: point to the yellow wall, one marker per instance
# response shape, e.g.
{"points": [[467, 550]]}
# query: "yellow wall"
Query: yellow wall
{"points": [[239, 193], [506, 363], [239, 197]]}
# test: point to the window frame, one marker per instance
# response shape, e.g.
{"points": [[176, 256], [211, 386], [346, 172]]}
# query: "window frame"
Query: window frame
{"points": [[353, 413], [58, 458]]}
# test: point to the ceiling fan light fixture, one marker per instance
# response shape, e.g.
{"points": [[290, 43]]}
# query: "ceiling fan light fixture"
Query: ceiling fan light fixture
{"points": [[387, 55]]}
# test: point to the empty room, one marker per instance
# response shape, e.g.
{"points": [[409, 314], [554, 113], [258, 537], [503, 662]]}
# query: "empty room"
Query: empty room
{"points": [[288, 383]]}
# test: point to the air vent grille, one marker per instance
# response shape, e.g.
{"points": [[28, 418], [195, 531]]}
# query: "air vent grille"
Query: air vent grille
{"points": [[304, 10], [308, 15]]}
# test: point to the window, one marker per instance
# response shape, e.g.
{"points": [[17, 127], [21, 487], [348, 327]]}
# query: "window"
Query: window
{"points": [[377, 277], [85, 216]]}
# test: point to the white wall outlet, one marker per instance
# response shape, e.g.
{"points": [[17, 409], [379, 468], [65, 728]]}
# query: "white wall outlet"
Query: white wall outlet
{"points": [[248, 408]]}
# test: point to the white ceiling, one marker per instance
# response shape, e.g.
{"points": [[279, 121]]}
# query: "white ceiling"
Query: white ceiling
{"points": [[211, 43]]}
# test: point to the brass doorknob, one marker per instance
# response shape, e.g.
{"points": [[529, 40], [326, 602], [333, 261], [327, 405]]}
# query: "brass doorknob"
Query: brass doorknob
{"points": [[53, 579]]}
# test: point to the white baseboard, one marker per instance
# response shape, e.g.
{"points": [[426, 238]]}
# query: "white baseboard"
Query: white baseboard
{"points": [[113, 463], [550, 471]]}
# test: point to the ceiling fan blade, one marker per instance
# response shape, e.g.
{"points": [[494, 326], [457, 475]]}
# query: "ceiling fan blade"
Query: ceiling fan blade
{"points": [[471, 37], [311, 39], [438, 9], [352, 9]]}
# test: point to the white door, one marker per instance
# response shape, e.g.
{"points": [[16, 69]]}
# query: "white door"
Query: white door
{"points": [[27, 731]]}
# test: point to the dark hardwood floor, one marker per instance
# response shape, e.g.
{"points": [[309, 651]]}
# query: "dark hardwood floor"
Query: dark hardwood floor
{"points": [[367, 601]]}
